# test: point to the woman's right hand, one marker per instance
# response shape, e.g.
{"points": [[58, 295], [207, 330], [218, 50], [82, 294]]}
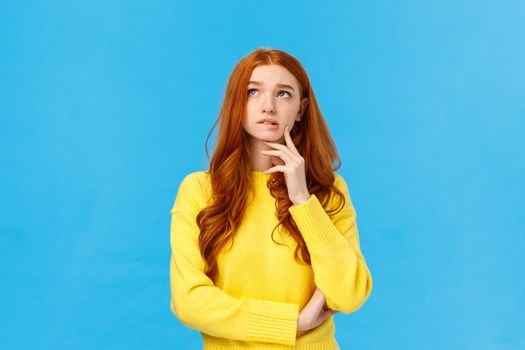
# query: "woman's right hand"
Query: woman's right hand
{"points": [[314, 312]]}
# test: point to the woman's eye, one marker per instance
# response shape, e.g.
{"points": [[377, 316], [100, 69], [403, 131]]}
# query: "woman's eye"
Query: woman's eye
{"points": [[282, 91]]}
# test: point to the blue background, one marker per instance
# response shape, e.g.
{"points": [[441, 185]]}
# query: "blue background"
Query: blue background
{"points": [[105, 107]]}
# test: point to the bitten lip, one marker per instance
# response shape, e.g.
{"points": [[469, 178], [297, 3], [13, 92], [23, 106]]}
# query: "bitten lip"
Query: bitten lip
{"points": [[268, 120]]}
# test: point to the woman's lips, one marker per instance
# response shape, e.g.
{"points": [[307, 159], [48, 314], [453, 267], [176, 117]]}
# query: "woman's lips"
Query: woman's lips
{"points": [[270, 125]]}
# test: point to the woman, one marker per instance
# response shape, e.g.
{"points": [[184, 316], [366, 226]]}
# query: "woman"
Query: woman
{"points": [[272, 168]]}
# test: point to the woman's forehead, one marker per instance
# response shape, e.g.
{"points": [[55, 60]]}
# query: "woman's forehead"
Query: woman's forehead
{"points": [[272, 74]]}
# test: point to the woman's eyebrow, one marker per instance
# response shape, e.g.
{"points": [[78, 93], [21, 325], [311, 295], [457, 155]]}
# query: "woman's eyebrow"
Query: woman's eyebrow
{"points": [[279, 85]]}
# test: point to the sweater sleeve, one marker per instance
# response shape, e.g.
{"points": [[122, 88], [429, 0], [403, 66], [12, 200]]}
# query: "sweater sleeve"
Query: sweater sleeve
{"points": [[340, 270], [201, 305]]}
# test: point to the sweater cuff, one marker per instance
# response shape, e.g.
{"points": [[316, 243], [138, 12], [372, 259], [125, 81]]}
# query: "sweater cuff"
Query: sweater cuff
{"points": [[272, 321], [313, 222]]}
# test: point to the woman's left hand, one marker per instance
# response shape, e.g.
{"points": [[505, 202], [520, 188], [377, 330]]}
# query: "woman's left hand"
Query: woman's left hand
{"points": [[293, 168]]}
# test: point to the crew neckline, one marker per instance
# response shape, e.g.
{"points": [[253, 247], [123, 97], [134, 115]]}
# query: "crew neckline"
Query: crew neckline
{"points": [[256, 172]]}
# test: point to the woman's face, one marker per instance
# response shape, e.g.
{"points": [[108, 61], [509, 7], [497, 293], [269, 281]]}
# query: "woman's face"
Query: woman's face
{"points": [[273, 92]]}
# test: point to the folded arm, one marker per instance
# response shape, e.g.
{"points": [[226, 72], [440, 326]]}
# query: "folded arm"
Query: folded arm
{"points": [[340, 270], [201, 305]]}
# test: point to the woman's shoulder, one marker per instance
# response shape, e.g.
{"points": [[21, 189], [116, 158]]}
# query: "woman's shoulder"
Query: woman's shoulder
{"points": [[192, 193], [196, 182], [196, 185], [339, 180], [341, 183], [195, 176]]}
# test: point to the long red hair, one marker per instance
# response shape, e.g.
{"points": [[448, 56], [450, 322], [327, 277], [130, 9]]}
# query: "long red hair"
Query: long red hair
{"points": [[230, 166]]}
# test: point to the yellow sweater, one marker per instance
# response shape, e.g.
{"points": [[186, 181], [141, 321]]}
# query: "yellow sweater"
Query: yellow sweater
{"points": [[261, 288]]}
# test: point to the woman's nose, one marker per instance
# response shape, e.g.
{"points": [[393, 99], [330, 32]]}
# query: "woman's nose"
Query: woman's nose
{"points": [[268, 105]]}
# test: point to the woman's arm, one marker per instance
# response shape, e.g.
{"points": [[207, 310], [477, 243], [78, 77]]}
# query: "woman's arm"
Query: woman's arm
{"points": [[201, 305], [340, 270]]}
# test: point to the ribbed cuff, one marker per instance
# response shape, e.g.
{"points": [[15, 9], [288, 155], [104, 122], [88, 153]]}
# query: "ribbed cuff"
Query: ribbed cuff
{"points": [[313, 222], [272, 321]]}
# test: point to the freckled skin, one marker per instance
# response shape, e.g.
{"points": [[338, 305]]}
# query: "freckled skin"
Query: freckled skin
{"points": [[270, 100]]}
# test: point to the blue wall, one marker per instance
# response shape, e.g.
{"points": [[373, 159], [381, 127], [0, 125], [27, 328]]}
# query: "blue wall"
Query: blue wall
{"points": [[105, 107]]}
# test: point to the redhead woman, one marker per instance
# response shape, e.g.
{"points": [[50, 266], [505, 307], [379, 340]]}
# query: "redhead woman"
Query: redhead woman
{"points": [[264, 244]]}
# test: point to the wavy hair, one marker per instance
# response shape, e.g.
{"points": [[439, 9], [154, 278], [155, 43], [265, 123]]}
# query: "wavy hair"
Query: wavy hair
{"points": [[230, 165]]}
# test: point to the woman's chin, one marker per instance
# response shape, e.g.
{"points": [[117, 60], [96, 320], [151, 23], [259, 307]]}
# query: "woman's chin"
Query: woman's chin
{"points": [[270, 139]]}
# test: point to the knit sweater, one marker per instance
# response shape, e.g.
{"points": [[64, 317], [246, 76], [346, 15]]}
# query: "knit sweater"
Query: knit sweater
{"points": [[261, 288]]}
